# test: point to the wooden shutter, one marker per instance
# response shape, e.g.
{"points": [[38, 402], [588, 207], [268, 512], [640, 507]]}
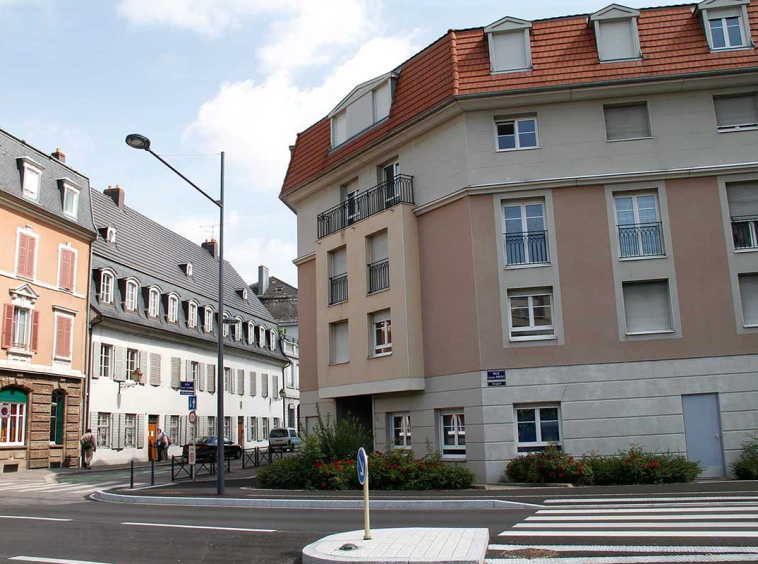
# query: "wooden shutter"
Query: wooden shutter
{"points": [[231, 389], [35, 331], [93, 423], [260, 429], [23, 251], [66, 274], [201, 377], [647, 306], [275, 385], [176, 372], [155, 369], [31, 252], [241, 382], [188, 370], [627, 122], [60, 335], [119, 364], [264, 385], [7, 326], [71, 269], [140, 430], [211, 378], [95, 367], [251, 384], [734, 111], [143, 366], [743, 199], [121, 430], [749, 293], [183, 425]]}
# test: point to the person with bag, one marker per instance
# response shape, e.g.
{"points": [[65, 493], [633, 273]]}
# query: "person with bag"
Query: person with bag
{"points": [[89, 446], [161, 445]]}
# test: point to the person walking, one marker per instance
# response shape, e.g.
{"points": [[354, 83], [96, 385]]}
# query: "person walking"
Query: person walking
{"points": [[89, 446], [161, 443]]}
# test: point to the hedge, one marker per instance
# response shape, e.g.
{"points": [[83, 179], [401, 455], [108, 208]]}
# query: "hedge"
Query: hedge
{"points": [[746, 465]]}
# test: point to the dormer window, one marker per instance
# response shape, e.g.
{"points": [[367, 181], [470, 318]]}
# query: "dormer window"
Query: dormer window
{"points": [[70, 197], [244, 294], [226, 325], [726, 24], [106, 287], [616, 33], [250, 332], [173, 308], [238, 330], [188, 269], [367, 104], [130, 299], [272, 339], [509, 44], [192, 315], [110, 235], [153, 307], [261, 336], [31, 178], [208, 319]]}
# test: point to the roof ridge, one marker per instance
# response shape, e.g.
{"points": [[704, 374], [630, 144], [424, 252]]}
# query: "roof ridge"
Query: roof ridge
{"points": [[454, 59]]}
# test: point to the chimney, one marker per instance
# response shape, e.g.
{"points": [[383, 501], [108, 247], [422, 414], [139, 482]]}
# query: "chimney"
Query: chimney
{"points": [[212, 247], [58, 155], [262, 280], [116, 194], [292, 149]]}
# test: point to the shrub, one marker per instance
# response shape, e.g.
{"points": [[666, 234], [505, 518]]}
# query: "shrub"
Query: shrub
{"points": [[336, 441], [291, 473], [549, 466], [746, 465]]}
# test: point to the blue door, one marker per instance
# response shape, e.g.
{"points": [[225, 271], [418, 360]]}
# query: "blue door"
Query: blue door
{"points": [[702, 432]]}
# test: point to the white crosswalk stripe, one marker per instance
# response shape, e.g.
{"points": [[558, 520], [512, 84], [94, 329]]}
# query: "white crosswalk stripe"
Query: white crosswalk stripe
{"points": [[29, 489]]}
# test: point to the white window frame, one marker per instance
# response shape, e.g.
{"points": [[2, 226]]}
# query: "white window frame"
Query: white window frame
{"points": [[539, 443], [172, 312], [194, 374], [154, 302], [130, 430], [531, 294], [636, 210], [173, 429], [192, 314], [27, 328], [67, 247], [69, 356], [272, 336], [459, 450], [244, 293], [386, 328], [522, 204], [132, 362], [33, 167], [103, 424], [106, 290], [516, 122], [261, 336], [29, 233], [188, 269], [238, 329], [20, 414], [250, 333], [110, 235], [73, 191], [107, 358], [131, 297], [404, 428], [723, 18], [208, 319]]}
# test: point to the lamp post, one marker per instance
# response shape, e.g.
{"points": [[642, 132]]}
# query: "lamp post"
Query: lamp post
{"points": [[283, 393], [136, 141]]}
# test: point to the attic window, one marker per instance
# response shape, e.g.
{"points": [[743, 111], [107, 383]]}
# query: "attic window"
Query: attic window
{"points": [[616, 33], [726, 24], [244, 293], [367, 104], [188, 269], [31, 178], [110, 235], [509, 44]]}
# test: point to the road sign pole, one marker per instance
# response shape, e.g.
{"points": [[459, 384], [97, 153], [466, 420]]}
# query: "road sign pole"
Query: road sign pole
{"points": [[366, 517]]}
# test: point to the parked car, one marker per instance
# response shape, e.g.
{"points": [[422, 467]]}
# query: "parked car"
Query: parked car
{"points": [[205, 449], [285, 438]]}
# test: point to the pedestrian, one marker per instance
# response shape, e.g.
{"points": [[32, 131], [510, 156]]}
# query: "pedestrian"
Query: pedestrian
{"points": [[89, 446], [161, 445]]}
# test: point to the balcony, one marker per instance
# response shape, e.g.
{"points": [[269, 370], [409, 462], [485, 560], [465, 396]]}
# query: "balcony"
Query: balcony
{"points": [[371, 202], [378, 276], [526, 248], [745, 232], [641, 240], [338, 289]]}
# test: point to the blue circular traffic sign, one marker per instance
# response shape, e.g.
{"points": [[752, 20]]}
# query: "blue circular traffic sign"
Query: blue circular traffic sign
{"points": [[362, 465]]}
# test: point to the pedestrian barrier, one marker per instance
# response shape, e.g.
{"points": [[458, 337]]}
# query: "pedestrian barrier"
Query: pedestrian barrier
{"points": [[255, 457], [182, 470]]}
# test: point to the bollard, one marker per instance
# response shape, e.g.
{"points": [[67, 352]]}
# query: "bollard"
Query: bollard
{"points": [[152, 472], [131, 476]]}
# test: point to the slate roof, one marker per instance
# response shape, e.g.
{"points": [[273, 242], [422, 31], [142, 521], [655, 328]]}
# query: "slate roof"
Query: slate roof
{"points": [[280, 299], [564, 54], [50, 197], [152, 254]]}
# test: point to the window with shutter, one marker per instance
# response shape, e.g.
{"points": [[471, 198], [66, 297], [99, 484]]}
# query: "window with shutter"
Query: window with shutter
{"points": [[155, 369], [339, 343], [252, 383], [63, 327], [749, 297], [626, 122], [66, 269], [26, 255], [736, 112], [241, 382], [176, 372], [743, 209], [617, 40], [7, 326], [647, 307], [264, 385], [510, 50]]}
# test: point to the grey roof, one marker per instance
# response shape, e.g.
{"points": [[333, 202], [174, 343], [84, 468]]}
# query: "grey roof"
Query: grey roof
{"points": [[280, 299], [152, 254], [51, 197]]}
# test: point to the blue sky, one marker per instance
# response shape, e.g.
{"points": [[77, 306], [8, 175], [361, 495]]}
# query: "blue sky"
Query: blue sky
{"points": [[201, 76]]}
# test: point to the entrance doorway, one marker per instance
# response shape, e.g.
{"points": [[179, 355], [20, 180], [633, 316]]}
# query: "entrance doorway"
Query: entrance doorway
{"points": [[702, 432], [241, 431], [359, 407], [152, 432]]}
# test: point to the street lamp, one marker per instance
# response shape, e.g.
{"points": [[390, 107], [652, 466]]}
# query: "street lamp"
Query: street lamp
{"points": [[136, 141], [283, 393]]}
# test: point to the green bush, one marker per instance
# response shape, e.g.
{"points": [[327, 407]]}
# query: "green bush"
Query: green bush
{"points": [[337, 441], [549, 466], [290, 473], [746, 466]]}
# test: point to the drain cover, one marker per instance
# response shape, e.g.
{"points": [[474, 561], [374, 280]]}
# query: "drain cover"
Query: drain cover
{"points": [[348, 546]]}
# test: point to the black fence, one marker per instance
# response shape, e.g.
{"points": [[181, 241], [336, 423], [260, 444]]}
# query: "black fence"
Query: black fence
{"points": [[745, 232], [338, 289], [641, 240], [378, 276], [255, 457], [529, 247], [181, 469]]}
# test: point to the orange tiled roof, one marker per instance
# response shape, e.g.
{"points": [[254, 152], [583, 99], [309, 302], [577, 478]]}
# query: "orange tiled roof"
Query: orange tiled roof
{"points": [[564, 52]]}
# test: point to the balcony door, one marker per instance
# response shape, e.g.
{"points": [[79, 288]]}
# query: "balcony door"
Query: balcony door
{"points": [[639, 225], [390, 178], [525, 234]]}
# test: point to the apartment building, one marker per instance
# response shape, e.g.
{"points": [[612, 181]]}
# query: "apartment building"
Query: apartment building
{"points": [[46, 223], [540, 231], [154, 333]]}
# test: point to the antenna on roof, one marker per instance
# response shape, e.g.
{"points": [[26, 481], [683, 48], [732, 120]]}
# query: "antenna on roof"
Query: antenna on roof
{"points": [[212, 227]]}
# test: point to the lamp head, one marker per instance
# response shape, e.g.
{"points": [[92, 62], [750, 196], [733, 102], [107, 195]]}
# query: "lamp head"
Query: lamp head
{"points": [[137, 141]]}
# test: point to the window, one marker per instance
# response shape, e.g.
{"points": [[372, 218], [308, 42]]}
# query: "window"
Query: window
{"points": [[26, 255], [70, 201], [244, 294], [32, 181], [261, 336], [628, 121], [382, 333], [272, 343], [368, 104], [66, 269], [64, 325], [537, 427], [106, 360], [453, 434], [192, 315], [208, 320], [401, 430], [227, 379], [531, 314], [21, 328], [734, 113], [525, 234], [379, 264], [103, 430], [338, 278], [188, 269], [130, 430], [228, 428], [106, 288], [339, 342], [509, 50], [252, 429], [173, 429], [726, 32], [154, 302], [250, 333], [212, 430], [132, 363], [57, 417], [173, 308], [265, 428], [226, 325], [194, 374], [639, 226], [130, 303], [647, 307], [617, 40], [238, 330], [110, 235], [13, 427], [514, 134], [749, 298]]}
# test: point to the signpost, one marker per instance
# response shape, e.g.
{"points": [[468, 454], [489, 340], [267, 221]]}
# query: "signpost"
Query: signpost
{"points": [[193, 417], [5, 410], [192, 458], [187, 388], [495, 378], [192, 402], [363, 479]]}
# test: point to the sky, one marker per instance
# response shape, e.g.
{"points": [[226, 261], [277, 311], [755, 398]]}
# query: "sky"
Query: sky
{"points": [[202, 76]]}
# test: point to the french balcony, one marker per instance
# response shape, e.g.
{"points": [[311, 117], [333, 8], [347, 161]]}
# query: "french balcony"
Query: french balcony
{"points": [[745, 232], [381, 197], [641, 240], [338, 289], [526, 248], [378, 276]]}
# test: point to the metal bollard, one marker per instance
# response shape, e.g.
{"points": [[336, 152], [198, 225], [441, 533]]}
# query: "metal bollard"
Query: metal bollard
{"points": [[152, 472], [131, 476]]}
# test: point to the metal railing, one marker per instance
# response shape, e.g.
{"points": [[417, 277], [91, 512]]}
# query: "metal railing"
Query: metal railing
{"points": [[641, 240], [528, 247], [181, 468], [338, 289], [745, 232], [383, 196], [255, 457], [378, 276]]}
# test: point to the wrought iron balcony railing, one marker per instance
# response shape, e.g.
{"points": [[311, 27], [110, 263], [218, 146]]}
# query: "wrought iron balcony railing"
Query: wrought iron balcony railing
{"points": [[378, 276], [338, 289], [529, 247], [745, 232], [399, 190], [641, 240]]}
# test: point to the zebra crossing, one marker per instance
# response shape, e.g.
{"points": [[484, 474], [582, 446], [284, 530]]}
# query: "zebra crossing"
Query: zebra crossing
{"points": [[26, 488], [688, 528]]}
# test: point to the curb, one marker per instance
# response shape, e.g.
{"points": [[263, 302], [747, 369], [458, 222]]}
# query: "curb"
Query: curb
{"points": [[431, 504]]}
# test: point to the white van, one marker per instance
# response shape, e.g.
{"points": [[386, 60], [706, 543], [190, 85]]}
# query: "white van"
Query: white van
{"points": [[285, 438]]}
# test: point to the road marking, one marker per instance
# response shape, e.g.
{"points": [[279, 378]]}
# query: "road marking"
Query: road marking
{"points": [[629, 559], [52, 560], [656, 499], [32, 518], [648, 510], [630, 548], [642, 517], [645, 534], [629, 525], [201, 527]]}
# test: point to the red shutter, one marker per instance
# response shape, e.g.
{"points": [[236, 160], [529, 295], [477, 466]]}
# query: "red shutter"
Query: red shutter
{"points": [[66, 274], [23, 241], [63, 337], [35, 331], [30, 253], [7, 326], [71, 269], [68, 337]]}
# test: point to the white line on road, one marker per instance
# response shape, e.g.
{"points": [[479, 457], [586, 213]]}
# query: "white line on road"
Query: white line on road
{"points": [[642, 517], [656, 499], [688, 509], [645, 534], [32, 518], [630, 559], [628, 525], [201, 527], [630, 548], [52, 560]]}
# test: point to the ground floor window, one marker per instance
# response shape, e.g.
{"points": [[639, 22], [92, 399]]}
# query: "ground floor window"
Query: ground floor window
{"points": [[13, 427], [57, 415], [537, 427], [265, 428], [104, 430], [276, 423], [130, 430], [228, 428], [173, 429], [212, 431], [252, 429], [453, 433], [401, 430]]}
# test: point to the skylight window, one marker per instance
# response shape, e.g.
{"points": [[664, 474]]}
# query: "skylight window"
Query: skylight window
{"points": [[367, 104]]}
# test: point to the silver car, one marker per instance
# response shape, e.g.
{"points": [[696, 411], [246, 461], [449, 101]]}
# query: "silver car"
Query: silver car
{"points": [[285, 438]]}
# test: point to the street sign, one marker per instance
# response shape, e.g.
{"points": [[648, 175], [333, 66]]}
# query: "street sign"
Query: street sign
{"points": [[192, 403], [362, 464], [192, 455], [187, 388], [193, 417], [5, 410], [495, 378]]}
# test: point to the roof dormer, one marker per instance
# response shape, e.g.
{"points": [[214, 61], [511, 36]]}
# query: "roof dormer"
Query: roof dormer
{"points": [[726, 24], [510, 48], [367, 104], [616, 33], [187, 268]]}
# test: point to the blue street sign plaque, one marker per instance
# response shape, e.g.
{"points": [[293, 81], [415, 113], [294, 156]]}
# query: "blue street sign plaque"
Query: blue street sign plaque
{"points": [[192, 402], [187, 388], [495, 378], [362, 465]]}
